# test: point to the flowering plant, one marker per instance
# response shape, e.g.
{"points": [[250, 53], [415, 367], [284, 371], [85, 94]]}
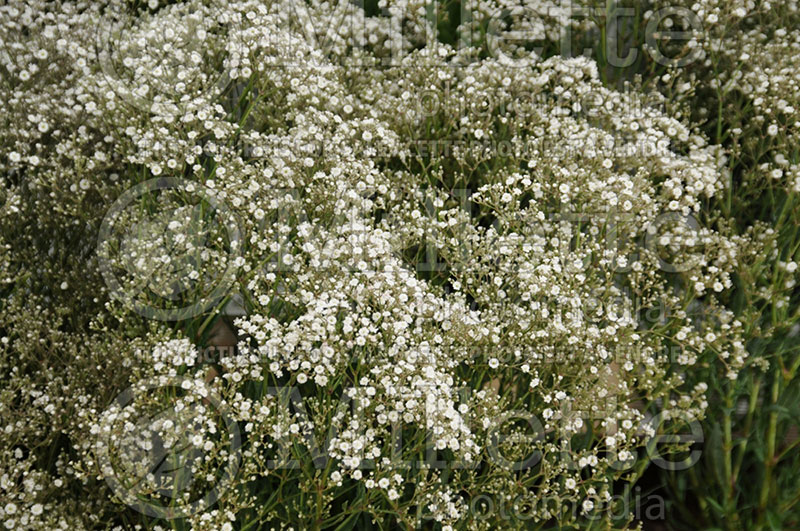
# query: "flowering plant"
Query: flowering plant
{"points": [[300, 265]]}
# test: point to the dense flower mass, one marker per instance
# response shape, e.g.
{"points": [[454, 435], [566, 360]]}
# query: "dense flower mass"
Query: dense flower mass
{"points": [[280, 264]]}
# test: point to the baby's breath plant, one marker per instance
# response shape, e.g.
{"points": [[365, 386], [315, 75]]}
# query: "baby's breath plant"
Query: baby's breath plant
{"points": [[462, 283], [749, 474], [734, 74]]}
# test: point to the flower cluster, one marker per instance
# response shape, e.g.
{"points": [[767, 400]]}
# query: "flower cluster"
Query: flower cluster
{"points": [[411, 328]]}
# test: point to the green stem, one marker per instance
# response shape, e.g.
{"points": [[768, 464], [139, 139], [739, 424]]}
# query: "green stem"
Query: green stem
{"points": [[748, 424], [769, 464], [727, 450]]}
